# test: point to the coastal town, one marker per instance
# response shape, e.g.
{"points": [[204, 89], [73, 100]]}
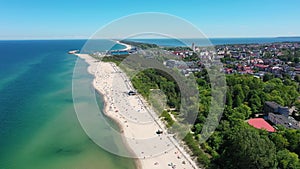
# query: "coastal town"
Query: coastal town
{"points": [[260, 64], [254, 59], [262, 61], [280, 60]]}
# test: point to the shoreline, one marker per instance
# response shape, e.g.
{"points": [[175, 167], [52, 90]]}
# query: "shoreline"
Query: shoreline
{"points": [[117, 122], [105, 104], [137, 126], [128, 47]]}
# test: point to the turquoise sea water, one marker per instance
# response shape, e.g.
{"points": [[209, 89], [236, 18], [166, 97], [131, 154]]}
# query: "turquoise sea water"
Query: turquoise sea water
{"points": [[38, 125]]}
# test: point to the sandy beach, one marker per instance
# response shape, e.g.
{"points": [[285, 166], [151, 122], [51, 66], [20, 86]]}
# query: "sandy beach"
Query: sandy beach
{"points": [[138, 122], [128, 47]]}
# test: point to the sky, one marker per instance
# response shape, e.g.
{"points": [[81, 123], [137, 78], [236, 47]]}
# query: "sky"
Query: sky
{"points": [[79, 19]]}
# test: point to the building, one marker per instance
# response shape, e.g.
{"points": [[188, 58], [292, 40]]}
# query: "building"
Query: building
{"points": [[273, 107], [176, 64], [260, 123], [193, 47], [287, 122], [261, 67], [118, 52], [170, 63]]}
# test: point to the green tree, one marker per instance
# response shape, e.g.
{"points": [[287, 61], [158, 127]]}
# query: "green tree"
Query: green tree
{"points": [[245, 148], [297, 78], [279, 140], [255, 103], [294, 141], [197, 128], [195, 148], [237, 101], [215, 140], [287, 160], [167, 117], [297, 60], [267, 77], [229, 99], [242, 112]]}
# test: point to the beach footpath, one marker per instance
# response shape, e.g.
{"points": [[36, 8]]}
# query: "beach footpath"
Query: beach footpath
{"points": [[138, 123]]}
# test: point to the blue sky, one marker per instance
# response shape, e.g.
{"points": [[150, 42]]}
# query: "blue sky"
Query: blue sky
{"points": [[68, 19]]}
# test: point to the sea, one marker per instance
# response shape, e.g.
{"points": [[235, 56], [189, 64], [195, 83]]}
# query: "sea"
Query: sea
{"points": [[38, 124]]}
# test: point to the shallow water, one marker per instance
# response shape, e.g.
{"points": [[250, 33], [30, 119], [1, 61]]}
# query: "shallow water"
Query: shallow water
{"points": [[38, 124]]}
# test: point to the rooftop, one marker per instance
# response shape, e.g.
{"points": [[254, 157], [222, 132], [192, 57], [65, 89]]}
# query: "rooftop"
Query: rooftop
{"points": [[282, 120], [273, 105]]}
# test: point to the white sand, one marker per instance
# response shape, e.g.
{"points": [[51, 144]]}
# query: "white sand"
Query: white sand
{"points": [[137, 121], [128, 47]]}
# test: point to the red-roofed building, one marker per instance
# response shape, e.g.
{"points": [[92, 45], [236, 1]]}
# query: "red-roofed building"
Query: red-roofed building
{"points": [[245, 68], [260, 123], [297, 69], [261, 67], [228, 70]]}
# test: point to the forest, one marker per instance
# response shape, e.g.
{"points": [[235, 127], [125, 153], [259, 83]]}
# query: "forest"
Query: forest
{"points": [[234, 144]]}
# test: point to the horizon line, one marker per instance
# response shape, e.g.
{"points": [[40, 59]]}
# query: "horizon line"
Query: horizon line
{"points": [[241, 37]]}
